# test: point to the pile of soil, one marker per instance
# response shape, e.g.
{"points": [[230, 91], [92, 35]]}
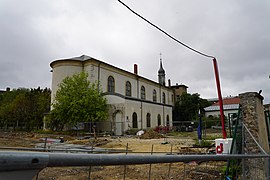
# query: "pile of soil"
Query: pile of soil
{"points": [[91, 142], [151, 134]]}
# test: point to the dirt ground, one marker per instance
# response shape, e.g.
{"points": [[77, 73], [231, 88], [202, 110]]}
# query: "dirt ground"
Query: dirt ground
{"points": [[132, 143]]}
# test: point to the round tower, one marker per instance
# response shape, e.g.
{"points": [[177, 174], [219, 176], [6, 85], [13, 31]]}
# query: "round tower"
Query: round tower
{"points": [[61, 68]]}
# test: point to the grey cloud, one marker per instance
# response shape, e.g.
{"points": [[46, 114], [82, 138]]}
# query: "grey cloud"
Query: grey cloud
{"points": [[236, 32]]}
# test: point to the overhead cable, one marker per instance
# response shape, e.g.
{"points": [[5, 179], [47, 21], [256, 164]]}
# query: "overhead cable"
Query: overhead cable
{"points": [[167, 34]]}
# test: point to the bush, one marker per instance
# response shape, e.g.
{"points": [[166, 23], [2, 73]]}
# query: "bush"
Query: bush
{"points": [[203, 143], [132, 131], [162, 129]]}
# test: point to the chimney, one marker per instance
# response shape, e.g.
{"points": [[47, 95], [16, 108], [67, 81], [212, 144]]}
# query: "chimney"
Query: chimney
{"points": [[169, 82], [136, 69]]}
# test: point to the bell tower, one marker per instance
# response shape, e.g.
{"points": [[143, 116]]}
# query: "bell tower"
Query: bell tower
{"points": [[161, 73]]}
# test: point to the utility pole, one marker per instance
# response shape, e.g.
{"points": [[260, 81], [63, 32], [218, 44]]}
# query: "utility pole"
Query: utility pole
{"points": [[224, 134]]}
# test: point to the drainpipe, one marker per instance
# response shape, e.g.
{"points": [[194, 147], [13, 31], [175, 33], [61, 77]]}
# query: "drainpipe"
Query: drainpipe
{"points": [[160, 93], [163, 115], [138, 96], [98, 74], [141, 116]]}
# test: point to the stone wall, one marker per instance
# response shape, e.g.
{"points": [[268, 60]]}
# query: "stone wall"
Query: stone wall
{"points": [[253, 117]]}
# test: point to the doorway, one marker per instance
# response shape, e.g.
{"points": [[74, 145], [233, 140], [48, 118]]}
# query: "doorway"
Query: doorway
{"points": [[118, 124]]}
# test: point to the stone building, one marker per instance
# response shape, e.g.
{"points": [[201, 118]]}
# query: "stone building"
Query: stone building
{"points": [[134, 101], [230, 106]]}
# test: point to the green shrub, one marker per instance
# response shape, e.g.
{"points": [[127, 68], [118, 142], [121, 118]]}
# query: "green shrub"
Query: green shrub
{"points": [[132, 131], [203, 143]]}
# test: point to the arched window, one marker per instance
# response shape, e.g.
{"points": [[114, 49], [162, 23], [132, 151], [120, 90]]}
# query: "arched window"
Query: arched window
{"points": [[134, 120], [148, 120], [163, 98], [154, 95], [111, 85], [158, 120], [168, 120], [142, 92], [128, 88]]}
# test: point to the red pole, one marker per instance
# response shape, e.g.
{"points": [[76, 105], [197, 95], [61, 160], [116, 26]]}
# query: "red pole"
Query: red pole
{"points": [[224, 134]]}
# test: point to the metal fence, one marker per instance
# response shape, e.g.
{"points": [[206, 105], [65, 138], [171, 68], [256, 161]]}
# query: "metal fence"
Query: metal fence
{"points": [[243, 162], [252, 169], [117, 166], [185, 163]]}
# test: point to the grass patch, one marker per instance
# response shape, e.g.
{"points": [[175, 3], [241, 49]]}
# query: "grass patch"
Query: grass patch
{"points": [[203, 143], [182, 134], [212, 137]]}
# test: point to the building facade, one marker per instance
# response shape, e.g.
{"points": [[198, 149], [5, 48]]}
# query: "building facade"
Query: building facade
{"points": [[134, 101], [230, 107]]}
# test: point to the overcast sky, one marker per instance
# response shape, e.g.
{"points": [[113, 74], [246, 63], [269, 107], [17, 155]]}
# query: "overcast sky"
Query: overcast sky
{"points": [[33, 33]]}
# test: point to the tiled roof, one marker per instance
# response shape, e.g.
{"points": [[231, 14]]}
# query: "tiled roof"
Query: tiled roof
{"points": [[233, 100], [231, 103]]}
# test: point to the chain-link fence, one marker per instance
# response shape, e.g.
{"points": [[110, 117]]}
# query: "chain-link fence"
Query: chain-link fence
{"points": [[253, 168]]}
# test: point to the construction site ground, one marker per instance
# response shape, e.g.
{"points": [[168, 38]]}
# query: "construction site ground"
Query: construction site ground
{"points": [[177, 144]]}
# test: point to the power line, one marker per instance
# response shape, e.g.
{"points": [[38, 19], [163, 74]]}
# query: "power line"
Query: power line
{"points": [[196, 51], [164, 32]]}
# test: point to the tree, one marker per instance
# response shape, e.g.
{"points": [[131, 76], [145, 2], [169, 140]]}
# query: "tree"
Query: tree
{"points": [[39, 101], [78, 100], [186, 109], [24, 108]]}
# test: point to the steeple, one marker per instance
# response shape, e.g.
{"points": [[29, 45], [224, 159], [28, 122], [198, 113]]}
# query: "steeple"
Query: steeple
{"points": [[161, 73]]}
